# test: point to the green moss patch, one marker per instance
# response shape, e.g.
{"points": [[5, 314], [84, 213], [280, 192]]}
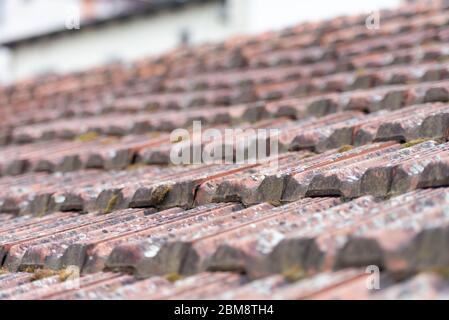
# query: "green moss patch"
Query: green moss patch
{"points": [[413, 143], [294, 274], [173, 277], [87, 137]]}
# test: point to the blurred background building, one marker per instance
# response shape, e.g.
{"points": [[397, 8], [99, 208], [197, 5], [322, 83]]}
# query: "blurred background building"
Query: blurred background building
{"points": [[50, 36]]}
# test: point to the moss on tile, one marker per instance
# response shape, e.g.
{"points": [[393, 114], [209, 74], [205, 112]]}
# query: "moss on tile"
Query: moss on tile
{"points": [[160, 192], [294, 274], [360, 71], [65, 274], [87, 137], [443, 272], [39, 274], [43, 210], [179, 139], [415, 142], [412, 81], [152, 107], [173, 277], [135, 166], [154, 134], [111, 204], [28, 269], [345, 148], [275, 203]]}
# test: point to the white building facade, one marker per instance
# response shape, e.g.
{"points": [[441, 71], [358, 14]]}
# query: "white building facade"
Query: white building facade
{"points": [[28, 53]]}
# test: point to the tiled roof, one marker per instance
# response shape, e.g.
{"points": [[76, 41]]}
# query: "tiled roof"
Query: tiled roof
{"points": [[361, 178]]}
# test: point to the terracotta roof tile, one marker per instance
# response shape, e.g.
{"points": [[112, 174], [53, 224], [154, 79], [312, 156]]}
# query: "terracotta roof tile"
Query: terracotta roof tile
{"points": [[361, 176]]}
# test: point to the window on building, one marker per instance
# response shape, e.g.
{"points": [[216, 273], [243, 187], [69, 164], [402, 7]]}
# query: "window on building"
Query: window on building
{"points": [[185, 37], [223, 9]]}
